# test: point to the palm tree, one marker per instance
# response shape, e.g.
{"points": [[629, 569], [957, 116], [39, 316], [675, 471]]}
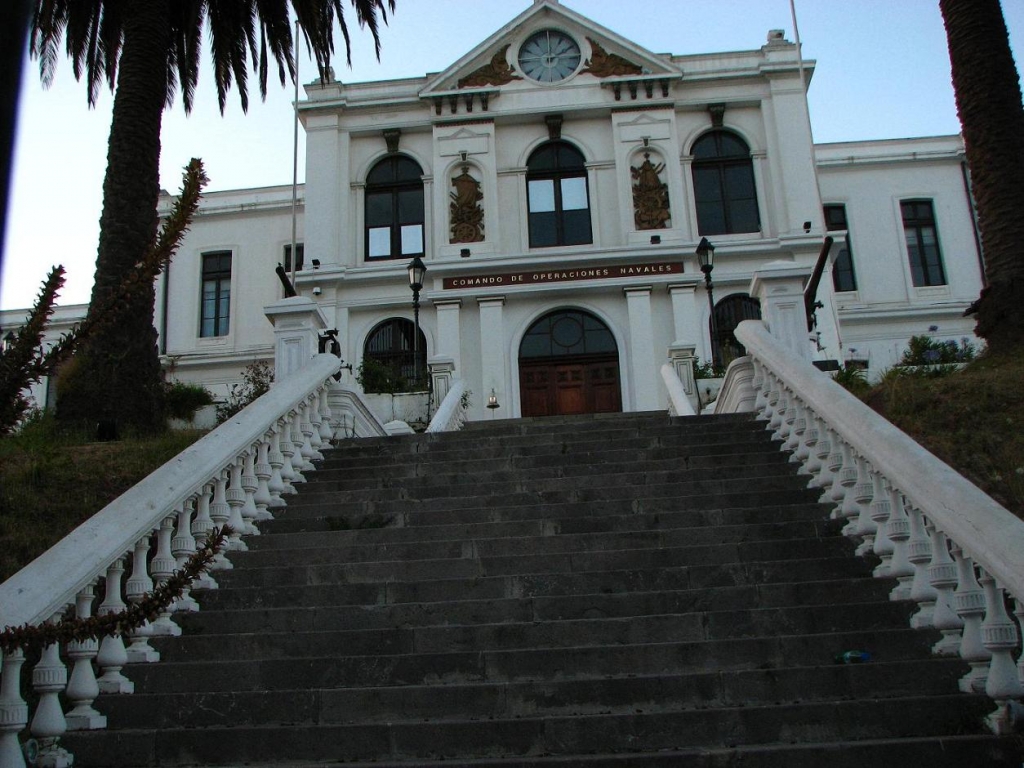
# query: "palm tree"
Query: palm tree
{"points": [[144, 50], [988, 101]]}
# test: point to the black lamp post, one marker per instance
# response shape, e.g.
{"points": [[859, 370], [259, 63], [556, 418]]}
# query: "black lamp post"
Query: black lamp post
{"points": [[706, 260], [416, 271]]}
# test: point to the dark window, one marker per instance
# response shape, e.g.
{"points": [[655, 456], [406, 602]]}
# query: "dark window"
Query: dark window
{"points": [[723, 185], [300, 253], [567, 333], [843, 277], [216, 294], [559, 200], [730, 312], [922, 242], [390, 346], [394, 209]]}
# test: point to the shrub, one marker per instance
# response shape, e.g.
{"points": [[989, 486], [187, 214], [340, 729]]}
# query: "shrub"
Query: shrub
{"points": [[256, 380], [924, 350], [852, 379], [706, 370], [379, 378], [182, 399]]}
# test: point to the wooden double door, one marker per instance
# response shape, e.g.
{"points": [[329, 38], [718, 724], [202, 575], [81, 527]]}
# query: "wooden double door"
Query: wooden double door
{"points": [[562, 387]]}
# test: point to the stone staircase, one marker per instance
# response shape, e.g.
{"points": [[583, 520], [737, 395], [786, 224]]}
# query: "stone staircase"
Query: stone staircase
{"points": [[621, 590]]}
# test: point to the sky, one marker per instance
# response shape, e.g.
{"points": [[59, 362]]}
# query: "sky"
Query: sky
{"points": [[882, 72]]}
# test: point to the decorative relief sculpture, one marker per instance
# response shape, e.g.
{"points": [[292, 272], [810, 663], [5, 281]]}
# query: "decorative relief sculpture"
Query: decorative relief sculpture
{"points": [[467, 216], [604, 64], [497, 72], [650, 195]]}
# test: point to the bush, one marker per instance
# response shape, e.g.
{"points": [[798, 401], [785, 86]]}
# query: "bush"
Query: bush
{"points": [[182, 399], [256, 380], [376, 377], [706, 370], [924, 350], [852, 379]]}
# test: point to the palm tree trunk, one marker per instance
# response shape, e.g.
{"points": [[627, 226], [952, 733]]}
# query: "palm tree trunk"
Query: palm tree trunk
{"points": [[116, 377], [988, 100]]}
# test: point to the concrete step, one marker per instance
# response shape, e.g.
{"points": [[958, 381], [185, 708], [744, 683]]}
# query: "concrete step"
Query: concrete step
{"points": [[527, 736]]}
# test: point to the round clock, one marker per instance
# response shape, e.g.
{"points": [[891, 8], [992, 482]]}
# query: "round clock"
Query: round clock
{"points": [[549, 56]]}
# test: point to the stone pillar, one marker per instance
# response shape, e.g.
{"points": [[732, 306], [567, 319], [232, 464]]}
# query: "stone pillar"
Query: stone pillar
{"points": [[641, 348], [779, 286], [441, 374], [449, 337], [688, 333], [297, 323], [493, 362]]}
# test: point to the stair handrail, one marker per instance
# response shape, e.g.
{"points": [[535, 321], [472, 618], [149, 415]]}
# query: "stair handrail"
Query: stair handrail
{"points": [[912, 510], [678, 403], [451, 414], [231, 477]]}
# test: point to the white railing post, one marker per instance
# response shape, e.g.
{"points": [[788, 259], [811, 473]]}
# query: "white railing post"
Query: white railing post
{"points": [[82, 687], [113, 657], [969, 599], [183, 546], [139, 584], [13, 710], [49, 676], [919, 553], [942, 575], [161, 568]]}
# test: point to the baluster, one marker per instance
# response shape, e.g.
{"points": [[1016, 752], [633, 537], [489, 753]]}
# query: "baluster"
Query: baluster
{"points": [[313, 419], [83, 688], [138, 585], [881, 508], [49, 677], [1018, 611], [969, 601], [776, 401], [999, 634], [13, 710], [898, 530], [183, 546], [249, 486], [834, 491], [849, 509], [326, 425], [866, 527], [822, 450], [816, 437], [805, 452], [785, 422], [942, 574], [796, 435], [236, 499], [759, 383], [202, 527], [276, 459], [300, 463], [289, 475], [220, 511], [263, 471], [161, 568], [112, 656], [919, 553]]}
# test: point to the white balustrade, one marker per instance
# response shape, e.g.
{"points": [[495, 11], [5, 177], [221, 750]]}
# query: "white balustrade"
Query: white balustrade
{"points": [[451, 414], [953, 551], [230, 475]]}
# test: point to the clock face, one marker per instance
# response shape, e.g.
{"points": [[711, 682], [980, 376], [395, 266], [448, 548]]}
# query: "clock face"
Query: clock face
{"points": [[549, 56]]}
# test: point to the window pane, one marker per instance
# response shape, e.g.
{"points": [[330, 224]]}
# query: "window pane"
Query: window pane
{"points": [[576, 226], [744, 216], [412, 239], [543, 230], [707, 185], [378, 209], [542, 195], [380, 242], [739, 180], [710, 218], [574, 194], [410, 206]]}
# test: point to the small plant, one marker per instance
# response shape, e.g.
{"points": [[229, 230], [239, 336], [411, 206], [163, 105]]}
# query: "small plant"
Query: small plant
{"points": [[183, 399], [379, 378], [706, 370], [924, 350], [256, 380], [464, 399], [852, 379]]}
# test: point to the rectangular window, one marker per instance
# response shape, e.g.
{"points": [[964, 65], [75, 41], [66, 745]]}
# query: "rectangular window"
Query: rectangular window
{"points": [[922, 243], [215, 300], [843, 277], [301, 257]]}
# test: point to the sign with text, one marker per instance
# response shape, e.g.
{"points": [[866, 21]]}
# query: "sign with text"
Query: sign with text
{"points": [[504, 279]]}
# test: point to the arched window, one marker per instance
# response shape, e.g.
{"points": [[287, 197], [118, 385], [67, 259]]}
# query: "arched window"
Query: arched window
{"points": [[394, 209], [723, 185], [388, 359], [558, 198], [730, 312]]}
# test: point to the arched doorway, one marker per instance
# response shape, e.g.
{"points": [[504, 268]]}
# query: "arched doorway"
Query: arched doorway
{"points": [[569, 363], [730, 312]]}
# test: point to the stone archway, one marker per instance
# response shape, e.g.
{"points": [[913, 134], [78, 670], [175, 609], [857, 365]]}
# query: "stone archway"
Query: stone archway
{"points": [[569, 364]]}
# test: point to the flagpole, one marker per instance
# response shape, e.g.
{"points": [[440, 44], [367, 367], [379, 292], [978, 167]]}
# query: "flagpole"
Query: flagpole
{"points": [[295, 159]]}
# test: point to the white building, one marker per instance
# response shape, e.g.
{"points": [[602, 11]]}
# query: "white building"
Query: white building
{"points": [[556, 182]]}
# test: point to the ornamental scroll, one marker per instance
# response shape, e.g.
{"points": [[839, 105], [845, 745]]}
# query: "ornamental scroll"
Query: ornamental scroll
{"points": [[467, 216], [604, 64], [650, 195], [497, 72]]}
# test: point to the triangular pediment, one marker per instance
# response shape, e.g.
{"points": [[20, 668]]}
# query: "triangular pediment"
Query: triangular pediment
{"points": [[493, 63]]}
